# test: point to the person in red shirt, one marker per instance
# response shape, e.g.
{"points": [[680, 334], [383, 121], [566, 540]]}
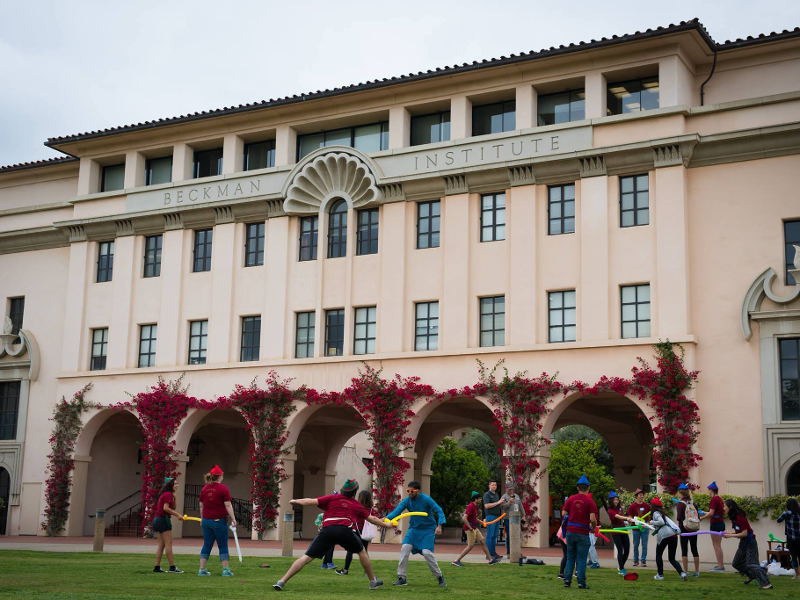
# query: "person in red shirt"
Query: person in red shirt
{"points": [[162, 525], [639, 509], [339, 521], [616, 513], [716, 519], [580, 517], [474, 535], [746, 559], [215, 507], [366, 534]]}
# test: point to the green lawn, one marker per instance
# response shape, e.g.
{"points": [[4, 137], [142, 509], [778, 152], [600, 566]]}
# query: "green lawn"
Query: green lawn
{"points": [[84, 575]]}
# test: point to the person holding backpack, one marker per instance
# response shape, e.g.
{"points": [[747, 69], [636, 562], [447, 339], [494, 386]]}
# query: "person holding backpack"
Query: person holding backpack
{"points": [[667, 533], [365, 528], [689, 521]]}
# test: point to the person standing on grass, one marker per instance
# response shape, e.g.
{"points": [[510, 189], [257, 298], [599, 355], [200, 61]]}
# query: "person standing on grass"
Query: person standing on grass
{"points": [[492, 509], [689, 521], [639, 509], [746, 558], [593, 561], [342, 512], [162, 525], [367, 534], [421, 534], [474, 535], [667, 534], [580, 517], [510, 502], [622, 543], [215, 507], [792, 518], [716, 520]]}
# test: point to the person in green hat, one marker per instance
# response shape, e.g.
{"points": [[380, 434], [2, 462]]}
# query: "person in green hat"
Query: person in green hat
{"points": [[162, 525], [580, 518], [474, 535]]}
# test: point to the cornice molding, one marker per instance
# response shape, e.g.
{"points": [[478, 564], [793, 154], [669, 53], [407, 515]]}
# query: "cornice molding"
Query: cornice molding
{"points": [[593, 166]]}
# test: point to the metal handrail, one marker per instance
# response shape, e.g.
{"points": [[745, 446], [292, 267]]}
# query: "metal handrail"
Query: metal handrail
{"points": [[117, 520], [120, 502], [242, 509]]}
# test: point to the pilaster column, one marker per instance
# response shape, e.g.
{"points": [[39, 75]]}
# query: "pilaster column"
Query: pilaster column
{"points": [[425, 481], [392, 307], [182, 161], [134, 169], [74, 317], [221, 343], [399, 127], [460, 118], [120, 326], [593, 295], [172, 272], [285, 146], [180, 493], [456, 303], [523, 297], [77, 500], [274, 321], [596, 96], [232, 154], [88, 177], [526, 106]]}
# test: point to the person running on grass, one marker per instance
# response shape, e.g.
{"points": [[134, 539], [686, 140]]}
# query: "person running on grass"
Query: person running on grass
{"points": [[746, 558], [367, 534], [215, 506], [689, 521], [422, 531], [667, 533], [342, 512], [616, 512], [639, 509], [580, 517], [162, 525], [792, 518], [474, 535], [716, 519]]}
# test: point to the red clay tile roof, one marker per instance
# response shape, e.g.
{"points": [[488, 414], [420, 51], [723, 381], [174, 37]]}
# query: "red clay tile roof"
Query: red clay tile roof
{"points": [[39, 163]]}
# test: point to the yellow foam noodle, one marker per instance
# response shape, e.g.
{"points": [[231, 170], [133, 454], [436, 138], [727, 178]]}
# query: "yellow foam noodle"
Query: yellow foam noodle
{"points": [[187, 518], [404, 515]]}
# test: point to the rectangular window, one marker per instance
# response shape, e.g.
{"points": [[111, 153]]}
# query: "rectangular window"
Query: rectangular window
{"points": [[251, 338], [635, 311], [105, 261], [493, 321], [198, 342], [99, 349], [9, 409], [493, 217], [113, 178], [254, 244], [304, 336], [152, 255], [634, 201], [632, 96], [494, 118], [147, 345], [309, 232], [207, 163], [791, 238], [561, 108], [334, 332], [561, 209], [561, 316], [16, 313], [365, 330], [790, 379], [259, 155], [366, 138], [367, 232], [428, 129], [202, 250], [428, 221], [158, 170], [426, 332]]}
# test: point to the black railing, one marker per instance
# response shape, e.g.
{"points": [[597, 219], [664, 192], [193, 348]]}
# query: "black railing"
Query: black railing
{"points": [[131, 519], [128, 497], [242, 509]]}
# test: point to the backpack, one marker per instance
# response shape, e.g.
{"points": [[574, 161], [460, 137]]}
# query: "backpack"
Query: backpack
{"points": [[691, 519]]}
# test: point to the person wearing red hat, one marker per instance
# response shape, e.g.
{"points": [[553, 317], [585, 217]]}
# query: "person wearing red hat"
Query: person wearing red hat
{"points": [[215, 507], [639, 509], [667, 533], [716, 519]]}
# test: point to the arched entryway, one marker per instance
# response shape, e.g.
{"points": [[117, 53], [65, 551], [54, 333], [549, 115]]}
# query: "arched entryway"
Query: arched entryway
{"points": [[5, 495], [793, 480]]}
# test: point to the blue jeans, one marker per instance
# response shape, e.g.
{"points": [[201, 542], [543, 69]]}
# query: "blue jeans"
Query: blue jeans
{"points": [[639, 535], [215, 530], [577, 551], [491, 535]]}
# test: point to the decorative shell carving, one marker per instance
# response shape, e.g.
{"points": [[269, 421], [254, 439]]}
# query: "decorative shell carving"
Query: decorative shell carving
{"points": [[332, 175]]}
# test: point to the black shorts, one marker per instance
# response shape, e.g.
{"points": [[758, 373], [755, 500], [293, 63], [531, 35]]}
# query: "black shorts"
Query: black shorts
{"points": [[717, 526], [162, 524], [334, 535]]}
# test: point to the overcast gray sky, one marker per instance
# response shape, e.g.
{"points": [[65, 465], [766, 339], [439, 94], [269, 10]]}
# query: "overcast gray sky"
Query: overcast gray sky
{"points": [[70, 67]]}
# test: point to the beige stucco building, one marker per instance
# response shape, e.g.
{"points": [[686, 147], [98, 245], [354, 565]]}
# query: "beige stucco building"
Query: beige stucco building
{"points": [[562, 210]]}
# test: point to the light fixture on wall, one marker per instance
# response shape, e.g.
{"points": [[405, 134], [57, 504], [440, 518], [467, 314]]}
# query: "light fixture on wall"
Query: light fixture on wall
{"points": [[196, 446]]}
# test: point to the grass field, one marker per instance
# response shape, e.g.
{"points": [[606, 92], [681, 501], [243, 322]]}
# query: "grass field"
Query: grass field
{"points": [[84, 575]]}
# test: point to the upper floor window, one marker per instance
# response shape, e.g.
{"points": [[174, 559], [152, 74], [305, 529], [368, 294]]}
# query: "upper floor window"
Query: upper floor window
{"points": [[365, 330], [426, 326], [198, 342], [790, 379], [147, 345], [494, 118], [99, 349], [337, 230], [493, 217], [207, 163], [366, 138], [334, 332], [105, 261], [561, 209], [309, 231], [427, 129], [152, 255], [634, 201], [202, 250], [632, 96], [158, 170], [113, 178], [259, 155], [367, 232], [254, 244], [561, 316], [428, 222], [16, 311], [251, 338], [9, 409], [493, 321], [562, 107], [304, 335], [791, 238], [635, 311]]}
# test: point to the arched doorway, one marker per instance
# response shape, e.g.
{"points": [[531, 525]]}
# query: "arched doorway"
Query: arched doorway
{"points": [[5, 495], [793, 480]]}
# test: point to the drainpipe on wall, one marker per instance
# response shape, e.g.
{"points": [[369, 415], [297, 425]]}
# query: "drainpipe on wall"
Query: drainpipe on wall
{"points": [[710, 75]]}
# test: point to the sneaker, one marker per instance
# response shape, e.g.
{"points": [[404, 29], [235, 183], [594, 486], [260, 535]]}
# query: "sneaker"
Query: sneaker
{"points": [[636, 563], [174, 569], [685, 576], [595, 566], [159, 570], [227, 573], [561, 576], [589, 564], [644, 563], [203, 572], [659, 578], [400, 581], [717, 569], [375, 584], [696, 574], [341, 572], [496, 560], [331, 566], [457, 563], [498, 557], [583, 586], [441, 582], [567, 583], [622, 572], [278, 587]]}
